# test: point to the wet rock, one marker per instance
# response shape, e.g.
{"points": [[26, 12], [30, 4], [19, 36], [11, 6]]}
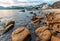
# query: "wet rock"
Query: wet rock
{"points": [[8, 26], [8, 23], [37, 39], [36, 8], [43, 33], [49, 17], [40, 12], [35, 14], [22, 11], [37, 21], [34, 18], [21, 34], [31, 12]]}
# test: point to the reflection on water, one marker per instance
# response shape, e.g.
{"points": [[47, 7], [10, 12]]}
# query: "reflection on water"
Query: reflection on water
{"points": [[21, 19], [4, 13]]}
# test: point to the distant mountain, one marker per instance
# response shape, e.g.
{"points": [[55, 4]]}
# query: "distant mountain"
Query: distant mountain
{"points": [[26, 7], [43, 4], [12, 7], [56, 4]]}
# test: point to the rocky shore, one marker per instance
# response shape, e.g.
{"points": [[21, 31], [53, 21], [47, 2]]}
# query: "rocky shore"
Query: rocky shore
{"points": [[41, 23], [48, 30]]}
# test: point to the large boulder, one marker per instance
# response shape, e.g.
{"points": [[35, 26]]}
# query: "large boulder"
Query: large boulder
{"points": [[45, 36], [9, 22], [41, 29], [21, 34], [8, 26], [55, 38], [57, 17], [43, 33], [56, 27]]}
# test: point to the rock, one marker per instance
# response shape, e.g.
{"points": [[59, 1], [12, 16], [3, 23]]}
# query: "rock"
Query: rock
{"points": [[54, 38], [9, 22], [49, 23], [34, 18], [49, 17], [8, 26], [41, 29], [40, 12], [31, 12], [36, 8], [37, 39], [58, 35], [56, 27], [53, 32], [45, 36], [43, 33], [37, 21], [56, 5], [57, 17], [21, 34], [22, 10]]}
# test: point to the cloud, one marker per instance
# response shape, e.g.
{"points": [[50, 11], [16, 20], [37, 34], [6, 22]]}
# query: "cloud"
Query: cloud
{"points": [[50, 1], [18, 2], [23, 2], [6, 1]]}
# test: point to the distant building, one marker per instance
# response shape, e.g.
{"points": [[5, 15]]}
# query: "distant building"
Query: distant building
{"points": [[56, 5]]}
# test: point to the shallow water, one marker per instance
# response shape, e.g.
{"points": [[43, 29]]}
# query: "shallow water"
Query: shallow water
{"points": [[21, 19]]}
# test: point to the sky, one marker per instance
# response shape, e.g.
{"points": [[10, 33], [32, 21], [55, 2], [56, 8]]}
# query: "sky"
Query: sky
{"points": [[23, 2]]}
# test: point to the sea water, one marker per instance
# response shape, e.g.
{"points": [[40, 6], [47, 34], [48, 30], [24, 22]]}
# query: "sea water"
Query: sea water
{"points": [[20, 18]]}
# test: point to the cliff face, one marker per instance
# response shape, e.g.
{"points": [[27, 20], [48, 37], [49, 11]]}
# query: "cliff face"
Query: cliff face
{"points": [[56, 5]]}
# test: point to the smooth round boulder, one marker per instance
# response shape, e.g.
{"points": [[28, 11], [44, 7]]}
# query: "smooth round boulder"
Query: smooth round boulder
{"points": [[20, 34], [45, 36], [41, 29], [54, 38], [43, 33]]}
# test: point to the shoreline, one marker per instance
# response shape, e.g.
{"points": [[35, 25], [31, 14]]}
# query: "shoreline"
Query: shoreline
{"points": [[53, 10]]}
